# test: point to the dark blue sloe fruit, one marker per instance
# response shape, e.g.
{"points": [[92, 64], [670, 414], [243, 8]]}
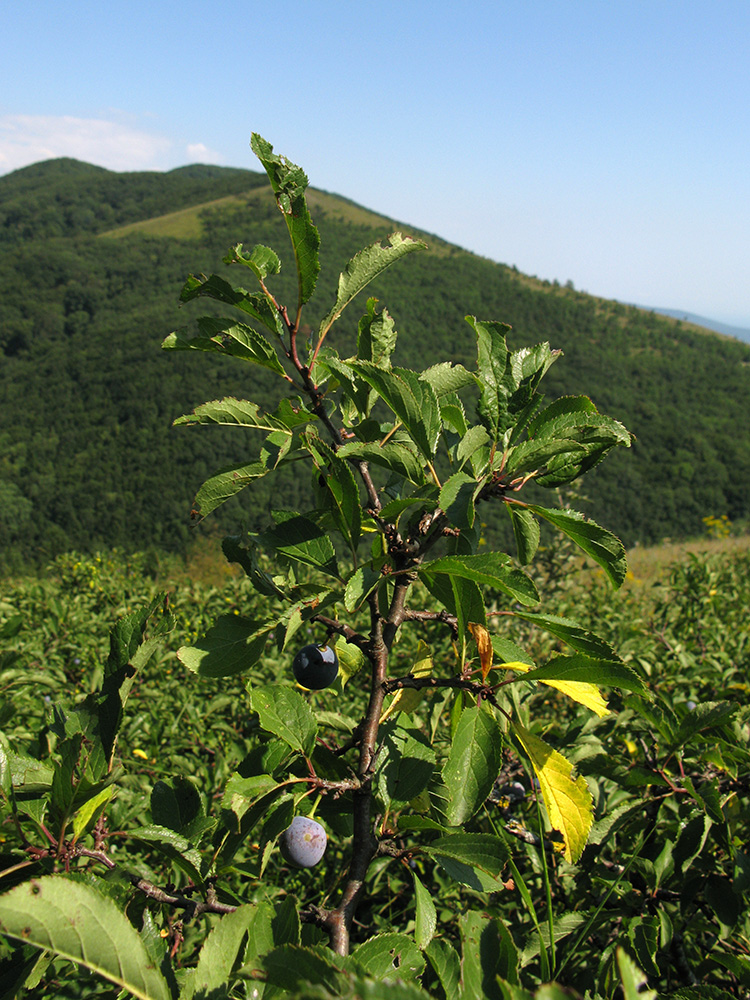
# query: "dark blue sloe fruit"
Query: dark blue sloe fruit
{"points": [[303, 843], [316, 667]]}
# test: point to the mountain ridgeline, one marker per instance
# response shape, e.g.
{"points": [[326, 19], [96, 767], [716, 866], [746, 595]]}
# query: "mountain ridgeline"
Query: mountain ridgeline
{"points": [[92, 263]]}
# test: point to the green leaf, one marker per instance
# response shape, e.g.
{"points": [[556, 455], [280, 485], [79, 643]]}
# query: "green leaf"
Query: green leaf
{"points": [[704, 717], [575, 635], [300, 539], [412, 400], [245, 556], [603, 547], [425, 920], [285, 713], [492, 364], [376, 336], [232, 412], [225, 484], [473, 763], [457, 499], [361, 270], [488, 952], [446, 378], [231, 645], [472, 447], [390, 956], [397, 458], [290, 967], [361, 583], [526, 531], [473, 859], [634, 983], [222, 335], [492, 570], [337, 478], [259, 306], [261, 260], [175, 805], [586, 669], [220, 953], [444, 960], [90, 810], [405, 764], [289, 183], [77, 922]]}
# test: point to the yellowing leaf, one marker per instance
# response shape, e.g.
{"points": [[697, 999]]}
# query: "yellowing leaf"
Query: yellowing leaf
{"points": [[586, 694], [407, 699], [515, 665], [484, 645], [567, 801], [581, 691]]}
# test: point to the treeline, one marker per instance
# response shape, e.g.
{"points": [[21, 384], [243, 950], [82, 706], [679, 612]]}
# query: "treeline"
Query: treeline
{"points": [[87, 456]]}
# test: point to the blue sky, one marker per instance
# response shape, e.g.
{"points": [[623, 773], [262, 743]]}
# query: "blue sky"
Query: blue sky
{"points": [[605, 142]]}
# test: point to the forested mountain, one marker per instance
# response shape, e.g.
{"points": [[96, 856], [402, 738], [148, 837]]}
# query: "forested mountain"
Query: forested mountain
{"points": [[91, 266]]}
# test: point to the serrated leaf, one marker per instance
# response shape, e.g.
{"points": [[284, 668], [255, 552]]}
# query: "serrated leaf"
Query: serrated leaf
{"points": [[634, 982], [75, 921], [289, 183], [473, 763], [526, 531], [220, 952], [390, 957], [297, 537], [232, 644], [337, 478], [425, 919], [227, 483], [395, 457], [405, 764], [444, 960], [361, 583], [376, 336], [261, 260], [232, 412], [492, 570], [222, 335], [567, 800], [457, 499], [492, 363], [362, 268], [603, 547], [473, 859], [257, 305], [472, 448], [291, 966], [575, 635], [413, 401], [285, 713], [447, 377]]}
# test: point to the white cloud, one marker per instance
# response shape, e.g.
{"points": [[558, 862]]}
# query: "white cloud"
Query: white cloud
{"points": [[198, 152], [26, 139]]}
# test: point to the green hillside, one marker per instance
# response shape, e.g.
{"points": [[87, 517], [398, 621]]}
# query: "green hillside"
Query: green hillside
{"points": [[91, 265]]}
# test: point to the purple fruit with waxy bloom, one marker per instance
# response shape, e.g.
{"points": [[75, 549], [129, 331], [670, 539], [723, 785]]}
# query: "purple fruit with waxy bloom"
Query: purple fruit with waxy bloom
{"points": [[303, 843]]}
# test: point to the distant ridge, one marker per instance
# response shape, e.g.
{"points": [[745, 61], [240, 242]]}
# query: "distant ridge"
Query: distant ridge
{"points": [[738, 332]]}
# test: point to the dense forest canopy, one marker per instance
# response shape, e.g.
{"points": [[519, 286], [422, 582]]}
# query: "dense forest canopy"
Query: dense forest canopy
{"points": [[92, 263]]}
